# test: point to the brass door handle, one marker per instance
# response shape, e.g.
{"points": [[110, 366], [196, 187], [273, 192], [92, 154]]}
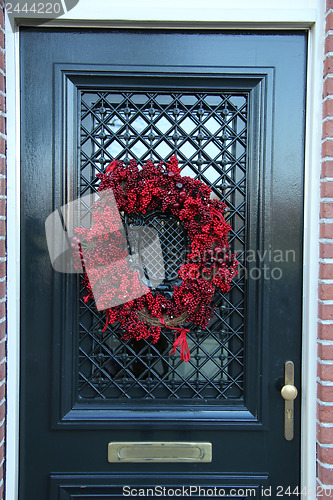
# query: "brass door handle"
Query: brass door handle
{"points": [[289, 393]]}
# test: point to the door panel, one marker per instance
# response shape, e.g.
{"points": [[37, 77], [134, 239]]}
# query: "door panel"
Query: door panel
{"points": [[231, 107], [111, 373], [153, 124]]}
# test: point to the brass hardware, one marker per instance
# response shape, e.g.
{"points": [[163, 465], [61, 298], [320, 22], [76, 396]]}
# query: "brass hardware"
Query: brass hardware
{"points": [[159, 452], [289, 393]]}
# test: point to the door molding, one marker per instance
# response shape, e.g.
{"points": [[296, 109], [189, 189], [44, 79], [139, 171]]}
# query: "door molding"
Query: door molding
{"points": [[112, 484], [304, 15], [258, 82]]}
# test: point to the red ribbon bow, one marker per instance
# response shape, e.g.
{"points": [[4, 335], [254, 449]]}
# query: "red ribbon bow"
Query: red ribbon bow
{"points": [[180, 341]]}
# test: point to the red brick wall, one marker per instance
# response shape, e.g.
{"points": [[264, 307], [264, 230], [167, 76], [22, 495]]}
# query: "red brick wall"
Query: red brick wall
{"points": [[325, 310], [325, 325], [2, 249]]}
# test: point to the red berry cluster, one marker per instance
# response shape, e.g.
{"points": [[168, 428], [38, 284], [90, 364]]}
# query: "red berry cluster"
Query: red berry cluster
{"points": [[210, 264]]}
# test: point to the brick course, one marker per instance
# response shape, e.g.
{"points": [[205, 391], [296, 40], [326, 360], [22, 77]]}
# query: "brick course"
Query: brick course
{"points": [[325, 304]]}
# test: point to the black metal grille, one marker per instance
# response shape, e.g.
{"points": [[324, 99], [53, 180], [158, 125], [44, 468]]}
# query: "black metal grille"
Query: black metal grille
{"points": [[146, 258], [208, 133]]}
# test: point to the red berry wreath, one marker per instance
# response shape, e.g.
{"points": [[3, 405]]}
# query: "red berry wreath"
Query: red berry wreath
{"points": [[103, 250]]}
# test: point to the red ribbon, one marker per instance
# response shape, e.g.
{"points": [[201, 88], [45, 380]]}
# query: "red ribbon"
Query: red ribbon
{"points": [[218, 215], [221, 218], [180, 341], [111, 166]]}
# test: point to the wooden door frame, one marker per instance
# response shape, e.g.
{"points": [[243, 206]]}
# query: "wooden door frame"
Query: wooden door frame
{"points": [[305, 14]]}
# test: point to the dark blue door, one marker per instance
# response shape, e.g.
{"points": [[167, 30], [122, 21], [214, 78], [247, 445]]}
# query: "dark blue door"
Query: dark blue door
{"points": [[89, 96]]}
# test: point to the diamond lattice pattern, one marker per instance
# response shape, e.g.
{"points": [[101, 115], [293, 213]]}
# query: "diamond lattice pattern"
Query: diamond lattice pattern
{"points": [[208, 134]]}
